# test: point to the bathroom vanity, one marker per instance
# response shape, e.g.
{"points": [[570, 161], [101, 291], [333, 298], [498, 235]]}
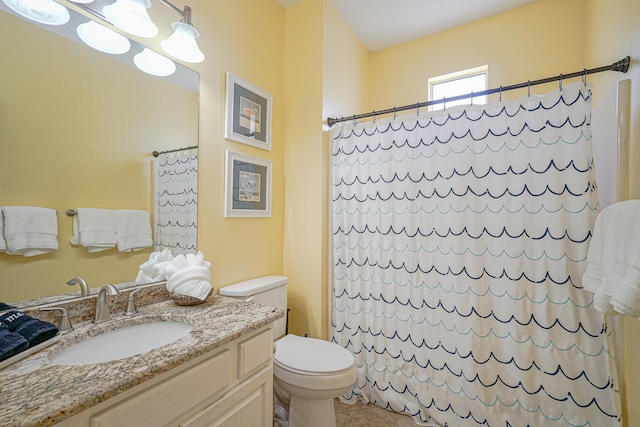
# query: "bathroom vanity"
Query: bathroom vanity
{"points": [[220, 373]]}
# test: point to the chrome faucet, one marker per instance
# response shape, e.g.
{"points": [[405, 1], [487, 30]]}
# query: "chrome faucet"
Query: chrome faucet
{"points": [[64, 324], [102, 306], [84, 289], [131, 304]]}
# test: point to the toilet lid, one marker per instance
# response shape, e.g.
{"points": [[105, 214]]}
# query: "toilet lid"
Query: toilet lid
{"points": [[312, 355]]}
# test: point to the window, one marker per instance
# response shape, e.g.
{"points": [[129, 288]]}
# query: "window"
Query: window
{"points": [[458, 83]]}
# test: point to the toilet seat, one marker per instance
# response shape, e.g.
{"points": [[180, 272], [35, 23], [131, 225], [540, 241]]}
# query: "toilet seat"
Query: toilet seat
{"points": [[312, 356]]}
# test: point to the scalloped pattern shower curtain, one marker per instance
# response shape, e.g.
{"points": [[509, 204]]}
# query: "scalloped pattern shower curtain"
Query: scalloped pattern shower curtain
{"points": [[459, 240], [176, 202]]}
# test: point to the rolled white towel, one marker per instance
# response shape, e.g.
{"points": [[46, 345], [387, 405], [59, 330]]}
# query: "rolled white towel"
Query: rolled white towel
{"points": [[153, 269], [189, 275]]}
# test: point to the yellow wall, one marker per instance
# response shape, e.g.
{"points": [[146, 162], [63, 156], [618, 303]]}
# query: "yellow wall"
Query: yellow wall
{"points": [[326, 71], [531, 42], [303, 165], [613, 32], [72, 137], [245, 37]]}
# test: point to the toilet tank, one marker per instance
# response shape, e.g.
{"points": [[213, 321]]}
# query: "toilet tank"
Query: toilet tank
{"points": [[267, 290]]}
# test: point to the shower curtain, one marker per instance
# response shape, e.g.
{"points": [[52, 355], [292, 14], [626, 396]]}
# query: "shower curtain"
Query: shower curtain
{"points": [[459, 239], [176, 202]]}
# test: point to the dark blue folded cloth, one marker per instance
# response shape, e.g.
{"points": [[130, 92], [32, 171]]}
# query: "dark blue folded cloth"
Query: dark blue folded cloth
{"points": [[11, 343], [5, 306], [34, 330]]}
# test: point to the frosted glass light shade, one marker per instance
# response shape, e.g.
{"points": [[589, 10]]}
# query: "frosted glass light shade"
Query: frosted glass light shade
{"points": [[42, 11], [153, 63], [182, 43], [102, 38], [131, 16]]}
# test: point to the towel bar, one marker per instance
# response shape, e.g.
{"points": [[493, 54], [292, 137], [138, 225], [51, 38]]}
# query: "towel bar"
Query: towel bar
{"points": [[71, 212]]}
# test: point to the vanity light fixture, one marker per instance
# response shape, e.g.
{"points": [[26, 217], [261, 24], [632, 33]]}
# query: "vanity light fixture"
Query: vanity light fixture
{"points": [[153, 63], [43, 11], [102, 38], [131, 16], [182, 43]]}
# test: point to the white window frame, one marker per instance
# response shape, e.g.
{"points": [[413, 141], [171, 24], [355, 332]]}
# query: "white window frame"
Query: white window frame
{"points": [[445, 78]]}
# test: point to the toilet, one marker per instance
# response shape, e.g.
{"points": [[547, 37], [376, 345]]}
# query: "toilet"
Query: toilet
{"points": [[308, 372]]}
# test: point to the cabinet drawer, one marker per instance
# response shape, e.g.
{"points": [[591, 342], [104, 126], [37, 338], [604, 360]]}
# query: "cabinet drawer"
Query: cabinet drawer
{"points": [[254, 353], [170, 398]]}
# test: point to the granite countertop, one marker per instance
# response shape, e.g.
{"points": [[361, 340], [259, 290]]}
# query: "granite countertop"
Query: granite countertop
{"points": [[34, 392]]}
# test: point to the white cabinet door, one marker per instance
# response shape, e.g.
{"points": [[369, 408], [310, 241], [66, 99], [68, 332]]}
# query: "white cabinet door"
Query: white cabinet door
{"points": [[248, 405]]}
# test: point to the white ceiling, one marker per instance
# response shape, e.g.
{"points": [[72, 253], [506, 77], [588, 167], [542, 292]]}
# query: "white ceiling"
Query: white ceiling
{"points": [[379, 24]]}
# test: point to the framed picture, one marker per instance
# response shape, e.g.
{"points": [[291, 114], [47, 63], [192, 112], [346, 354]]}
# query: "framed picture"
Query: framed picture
{"points": [[248, 113], [247, 186]]}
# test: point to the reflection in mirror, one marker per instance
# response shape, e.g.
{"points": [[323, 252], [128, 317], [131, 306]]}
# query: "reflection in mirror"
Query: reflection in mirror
{"points": [[78, 130]]}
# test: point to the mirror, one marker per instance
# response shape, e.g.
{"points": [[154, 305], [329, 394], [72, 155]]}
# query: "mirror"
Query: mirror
{"points": [[78, 129]]}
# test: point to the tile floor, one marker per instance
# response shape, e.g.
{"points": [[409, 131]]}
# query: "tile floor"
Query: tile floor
{"points": [[361, 415]]}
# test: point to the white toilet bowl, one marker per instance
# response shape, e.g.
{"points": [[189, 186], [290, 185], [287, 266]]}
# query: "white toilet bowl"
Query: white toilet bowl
{"points": [[309, 373]]}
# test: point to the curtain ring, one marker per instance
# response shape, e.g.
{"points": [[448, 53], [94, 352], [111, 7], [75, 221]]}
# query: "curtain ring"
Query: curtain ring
{"points": [[472, 98], [500, 93], [394, 114], [584, 77], [528, 87], [560, 82], [374, 117], [417, 109], [444, 103]]}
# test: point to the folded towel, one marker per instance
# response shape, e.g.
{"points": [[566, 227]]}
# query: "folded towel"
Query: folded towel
{"points": [[30, 231], [35, 331], [189, 275], [94, 229], [154, 269], [11, 343], [134, 230], [613, 260], [3, 243]]}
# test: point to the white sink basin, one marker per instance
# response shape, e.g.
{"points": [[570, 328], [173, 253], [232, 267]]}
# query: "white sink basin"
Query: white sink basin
{"points": [[120, 343]]}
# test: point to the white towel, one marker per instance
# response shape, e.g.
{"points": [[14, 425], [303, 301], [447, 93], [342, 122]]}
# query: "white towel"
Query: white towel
{"points": [[3, 243], [154, 270], [94, 229], [189, 275], [613, 260], [29, 230], [134, 230]]}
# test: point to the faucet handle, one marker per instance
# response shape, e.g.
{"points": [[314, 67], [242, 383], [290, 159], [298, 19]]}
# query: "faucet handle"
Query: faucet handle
{"points": [[131, 304], [64, 324]]}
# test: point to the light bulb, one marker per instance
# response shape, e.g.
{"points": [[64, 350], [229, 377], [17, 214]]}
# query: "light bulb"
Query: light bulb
{"points": [[131, 16], [102, 38], [182, 43], [42, 11], [153, 63]]}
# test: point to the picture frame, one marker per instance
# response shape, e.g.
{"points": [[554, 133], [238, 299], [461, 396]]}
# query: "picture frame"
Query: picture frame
{"points": [[247, 186], [248, 113]]}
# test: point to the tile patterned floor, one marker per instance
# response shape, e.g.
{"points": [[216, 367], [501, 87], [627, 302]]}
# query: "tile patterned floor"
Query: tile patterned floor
{"points": [[361, 415]]}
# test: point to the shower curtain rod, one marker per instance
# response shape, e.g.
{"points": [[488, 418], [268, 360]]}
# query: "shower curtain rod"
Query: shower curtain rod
{"points": [[157, 153], [622, 66]]}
